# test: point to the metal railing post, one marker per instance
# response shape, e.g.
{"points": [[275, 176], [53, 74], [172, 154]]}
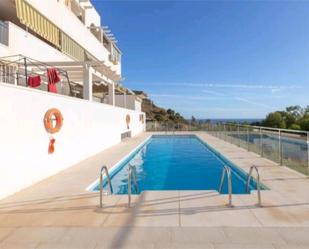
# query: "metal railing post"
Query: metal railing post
{"points": [[261, 142], [308, 153], [248, 139], [129, 188], [26, 71], [280, 148], [17, 76], [238, 135]]}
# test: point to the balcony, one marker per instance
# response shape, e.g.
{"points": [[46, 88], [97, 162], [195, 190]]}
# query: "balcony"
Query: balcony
{"points": [[4, 33], [76, 9], [113, 59]]}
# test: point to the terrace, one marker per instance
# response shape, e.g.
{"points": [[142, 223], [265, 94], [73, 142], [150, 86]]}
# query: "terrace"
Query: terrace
{"points": [[89, 80], [69, 216]]}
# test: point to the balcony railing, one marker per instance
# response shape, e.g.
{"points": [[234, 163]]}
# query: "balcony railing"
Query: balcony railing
{"points": [[4, 33], [17, 69]]}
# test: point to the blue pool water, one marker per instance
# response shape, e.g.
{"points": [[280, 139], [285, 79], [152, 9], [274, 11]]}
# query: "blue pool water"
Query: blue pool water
{"points": [[177, 163]]}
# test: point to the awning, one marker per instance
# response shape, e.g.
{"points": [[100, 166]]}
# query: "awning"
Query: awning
{"points": [[30, 17]]}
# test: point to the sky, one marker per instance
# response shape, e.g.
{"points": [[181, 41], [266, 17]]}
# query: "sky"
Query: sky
{"points": [[214, 59]]}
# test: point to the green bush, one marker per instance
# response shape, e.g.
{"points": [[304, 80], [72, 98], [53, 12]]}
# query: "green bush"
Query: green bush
{"points": [[295, 127]]}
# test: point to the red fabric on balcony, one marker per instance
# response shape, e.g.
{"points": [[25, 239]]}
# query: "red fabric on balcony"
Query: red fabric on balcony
{"points": [[53, 79], [34, 81]]}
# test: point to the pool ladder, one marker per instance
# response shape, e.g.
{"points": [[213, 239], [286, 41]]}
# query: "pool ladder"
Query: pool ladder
{"points": [[258, 182], [227, 171], [102, 171], [131, 176]]}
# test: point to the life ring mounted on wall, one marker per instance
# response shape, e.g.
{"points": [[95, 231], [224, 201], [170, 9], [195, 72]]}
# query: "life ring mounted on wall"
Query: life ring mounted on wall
{"points": [[53, 121], [128, 120]]}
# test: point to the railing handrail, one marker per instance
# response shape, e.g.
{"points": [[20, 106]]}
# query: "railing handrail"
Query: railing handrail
{"points": [[226, 170], [258, 183], [104, 168], [266, 128], [31, 61], [131, 175]]}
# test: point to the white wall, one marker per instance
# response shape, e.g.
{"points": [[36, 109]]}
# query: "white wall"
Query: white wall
{"points": [[92, 17], [24, 43], [129, 101], [4, 50], [88, 128]]}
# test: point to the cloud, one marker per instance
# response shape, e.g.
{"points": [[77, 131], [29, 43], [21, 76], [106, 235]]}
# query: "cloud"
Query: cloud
{"points": [[214, 93], [216, 96], [184, 96], [250, 102], [246, 100], [271, 87]]}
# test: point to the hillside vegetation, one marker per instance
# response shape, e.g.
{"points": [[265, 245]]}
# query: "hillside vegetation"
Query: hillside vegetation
{"points": [[293, 117], [159, 114]]}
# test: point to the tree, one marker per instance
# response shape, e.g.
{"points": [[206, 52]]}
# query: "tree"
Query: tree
{"points": [[159, 118], [295, 127], [296, 111], [274, 119], [193, 120], [290, 120], [304, 124]]}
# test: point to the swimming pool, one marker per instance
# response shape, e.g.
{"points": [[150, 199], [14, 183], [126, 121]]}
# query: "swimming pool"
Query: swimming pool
{"points": [[181, 162]]}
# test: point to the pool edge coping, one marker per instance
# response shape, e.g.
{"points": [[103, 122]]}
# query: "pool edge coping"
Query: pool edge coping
{"points": [[112, 170]]}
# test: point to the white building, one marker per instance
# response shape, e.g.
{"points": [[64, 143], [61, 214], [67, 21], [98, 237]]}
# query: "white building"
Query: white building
{"points": [[66, 35]]}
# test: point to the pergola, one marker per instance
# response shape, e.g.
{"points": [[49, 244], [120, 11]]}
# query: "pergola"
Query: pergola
{"points": [[91, 80], [88, 73]]}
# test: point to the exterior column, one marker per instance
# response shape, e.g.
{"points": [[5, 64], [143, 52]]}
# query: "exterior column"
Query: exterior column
{"points": [[87, 82], [111, 93]]}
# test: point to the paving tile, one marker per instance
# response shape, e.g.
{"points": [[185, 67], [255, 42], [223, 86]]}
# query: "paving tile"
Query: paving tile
{"points": [[209, 209], [35, 235], [253, 235], [291, 246], [204, 235], [82, 237], [14, 245], [158, 209], [296, 236], [184, 245], [120, 215], [244, 246], [150, 209], [5, 232], [69, 245], [128, 245]]}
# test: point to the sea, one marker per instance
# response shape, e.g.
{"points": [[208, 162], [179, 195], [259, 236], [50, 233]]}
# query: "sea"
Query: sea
{"points": [[231, 120]]}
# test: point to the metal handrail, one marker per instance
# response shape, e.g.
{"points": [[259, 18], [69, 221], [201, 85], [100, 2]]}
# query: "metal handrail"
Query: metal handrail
{"points": [[104, 168], [267, 128], [131, 176], [227, 171], [258, 183]]}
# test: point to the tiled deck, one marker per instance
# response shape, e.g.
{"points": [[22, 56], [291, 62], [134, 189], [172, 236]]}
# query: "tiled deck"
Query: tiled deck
{"points": [[59, 213]]}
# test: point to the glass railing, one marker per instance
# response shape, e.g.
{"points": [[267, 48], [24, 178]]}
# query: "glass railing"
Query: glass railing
{"points": [[285, 147]]}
